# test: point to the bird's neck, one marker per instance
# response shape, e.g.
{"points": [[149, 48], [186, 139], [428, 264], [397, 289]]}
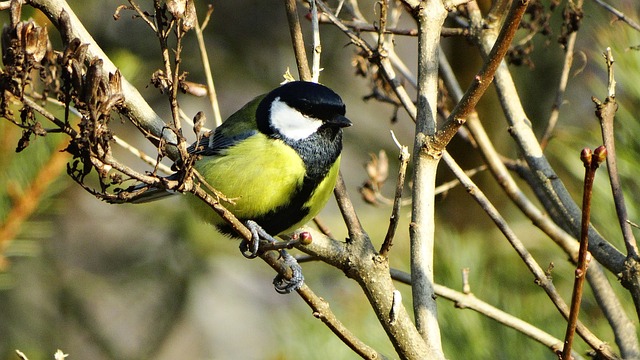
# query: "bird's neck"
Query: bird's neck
{"points": [[319, 151]]}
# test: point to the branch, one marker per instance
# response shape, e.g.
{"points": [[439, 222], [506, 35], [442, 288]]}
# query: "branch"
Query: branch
{"points": [[591, 161], [211, 90], [297, 40], [619, 14], [469, 301], [322, 311], [562, 86], [540, 276], [623, 327], [317, 48], [548, 186], [606, 114], [366, 27], [483, 79], [430, 17], [397, 200], [358, 260], [136, 108]]}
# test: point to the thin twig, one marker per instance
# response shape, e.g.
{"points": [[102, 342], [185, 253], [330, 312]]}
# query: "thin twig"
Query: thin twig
{"points": [[397, 201], [211, 90], [317, 47], [540, 276], [384, 7], [605, 111], [348, 212], [143, 15], [366, 27], [469, 301], [142, 155], [322, 226], [297, 40], [485, 76], [619, 14], [42, 111], [591, 161], [562, 86], [355, 39], [172, 74]]}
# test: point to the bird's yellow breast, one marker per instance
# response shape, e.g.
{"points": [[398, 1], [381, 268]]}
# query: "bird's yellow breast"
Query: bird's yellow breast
{"points": [[260, 174]]}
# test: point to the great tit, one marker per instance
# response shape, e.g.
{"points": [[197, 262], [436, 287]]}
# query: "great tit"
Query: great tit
{"points": [[277, 158]]}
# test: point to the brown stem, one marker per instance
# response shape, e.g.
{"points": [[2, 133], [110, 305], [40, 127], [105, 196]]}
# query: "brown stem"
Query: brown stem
{"points": [[541, 277], [485, 76], [591, 162]]}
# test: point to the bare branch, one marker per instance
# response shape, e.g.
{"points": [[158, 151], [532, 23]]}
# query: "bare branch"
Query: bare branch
{"points": [[397, 201], [317, 48], [322, 311], [619, 14], [549, 187], [297, 40], [606, 114], [591, 161], [540, 275], [211, 89], [485, 76], [469, 301], [430, 17]]}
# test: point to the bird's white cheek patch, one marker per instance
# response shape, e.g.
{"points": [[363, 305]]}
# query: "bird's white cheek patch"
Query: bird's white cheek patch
{"points": [[292, 123]]}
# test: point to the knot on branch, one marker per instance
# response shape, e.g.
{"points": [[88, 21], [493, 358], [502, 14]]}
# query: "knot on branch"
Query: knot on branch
{"points": [[630, 273]]}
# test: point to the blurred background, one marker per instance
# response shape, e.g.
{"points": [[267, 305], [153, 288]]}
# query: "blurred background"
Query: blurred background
{"points": [[151, 281]]}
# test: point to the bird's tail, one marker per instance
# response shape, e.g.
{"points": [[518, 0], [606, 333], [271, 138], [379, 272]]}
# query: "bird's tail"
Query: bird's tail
{"points": [[140, 194]]}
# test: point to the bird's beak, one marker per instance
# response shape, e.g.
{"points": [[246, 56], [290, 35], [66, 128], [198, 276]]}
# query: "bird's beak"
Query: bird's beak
{"points": [[339, 121]]}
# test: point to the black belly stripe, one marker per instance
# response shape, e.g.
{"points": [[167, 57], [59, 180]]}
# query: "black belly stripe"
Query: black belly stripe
{"points": [[318, 152]]}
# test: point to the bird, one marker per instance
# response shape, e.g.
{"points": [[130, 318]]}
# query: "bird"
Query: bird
{"points": [[277, 159]]}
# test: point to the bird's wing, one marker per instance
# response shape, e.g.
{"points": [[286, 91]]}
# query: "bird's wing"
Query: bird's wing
{"points": [[213, 144], [239, 126]]}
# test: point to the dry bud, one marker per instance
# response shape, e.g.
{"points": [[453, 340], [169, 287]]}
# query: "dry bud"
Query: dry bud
{"points": [[35, 41], [190, 18], [194, 89], [198, 122], [177, 7]]}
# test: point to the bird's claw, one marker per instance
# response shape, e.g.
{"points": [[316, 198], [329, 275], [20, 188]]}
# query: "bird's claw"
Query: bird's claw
{"points": [[284, 285], [251, 249]]}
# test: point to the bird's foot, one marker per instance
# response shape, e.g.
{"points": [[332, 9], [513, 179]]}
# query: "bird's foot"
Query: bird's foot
{"points": [[250, 249], [262, 241], [284, 285]]}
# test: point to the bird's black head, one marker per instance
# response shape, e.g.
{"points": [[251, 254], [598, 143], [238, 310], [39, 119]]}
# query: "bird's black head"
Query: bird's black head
{"points": [[309, 117], [298, 109]]}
